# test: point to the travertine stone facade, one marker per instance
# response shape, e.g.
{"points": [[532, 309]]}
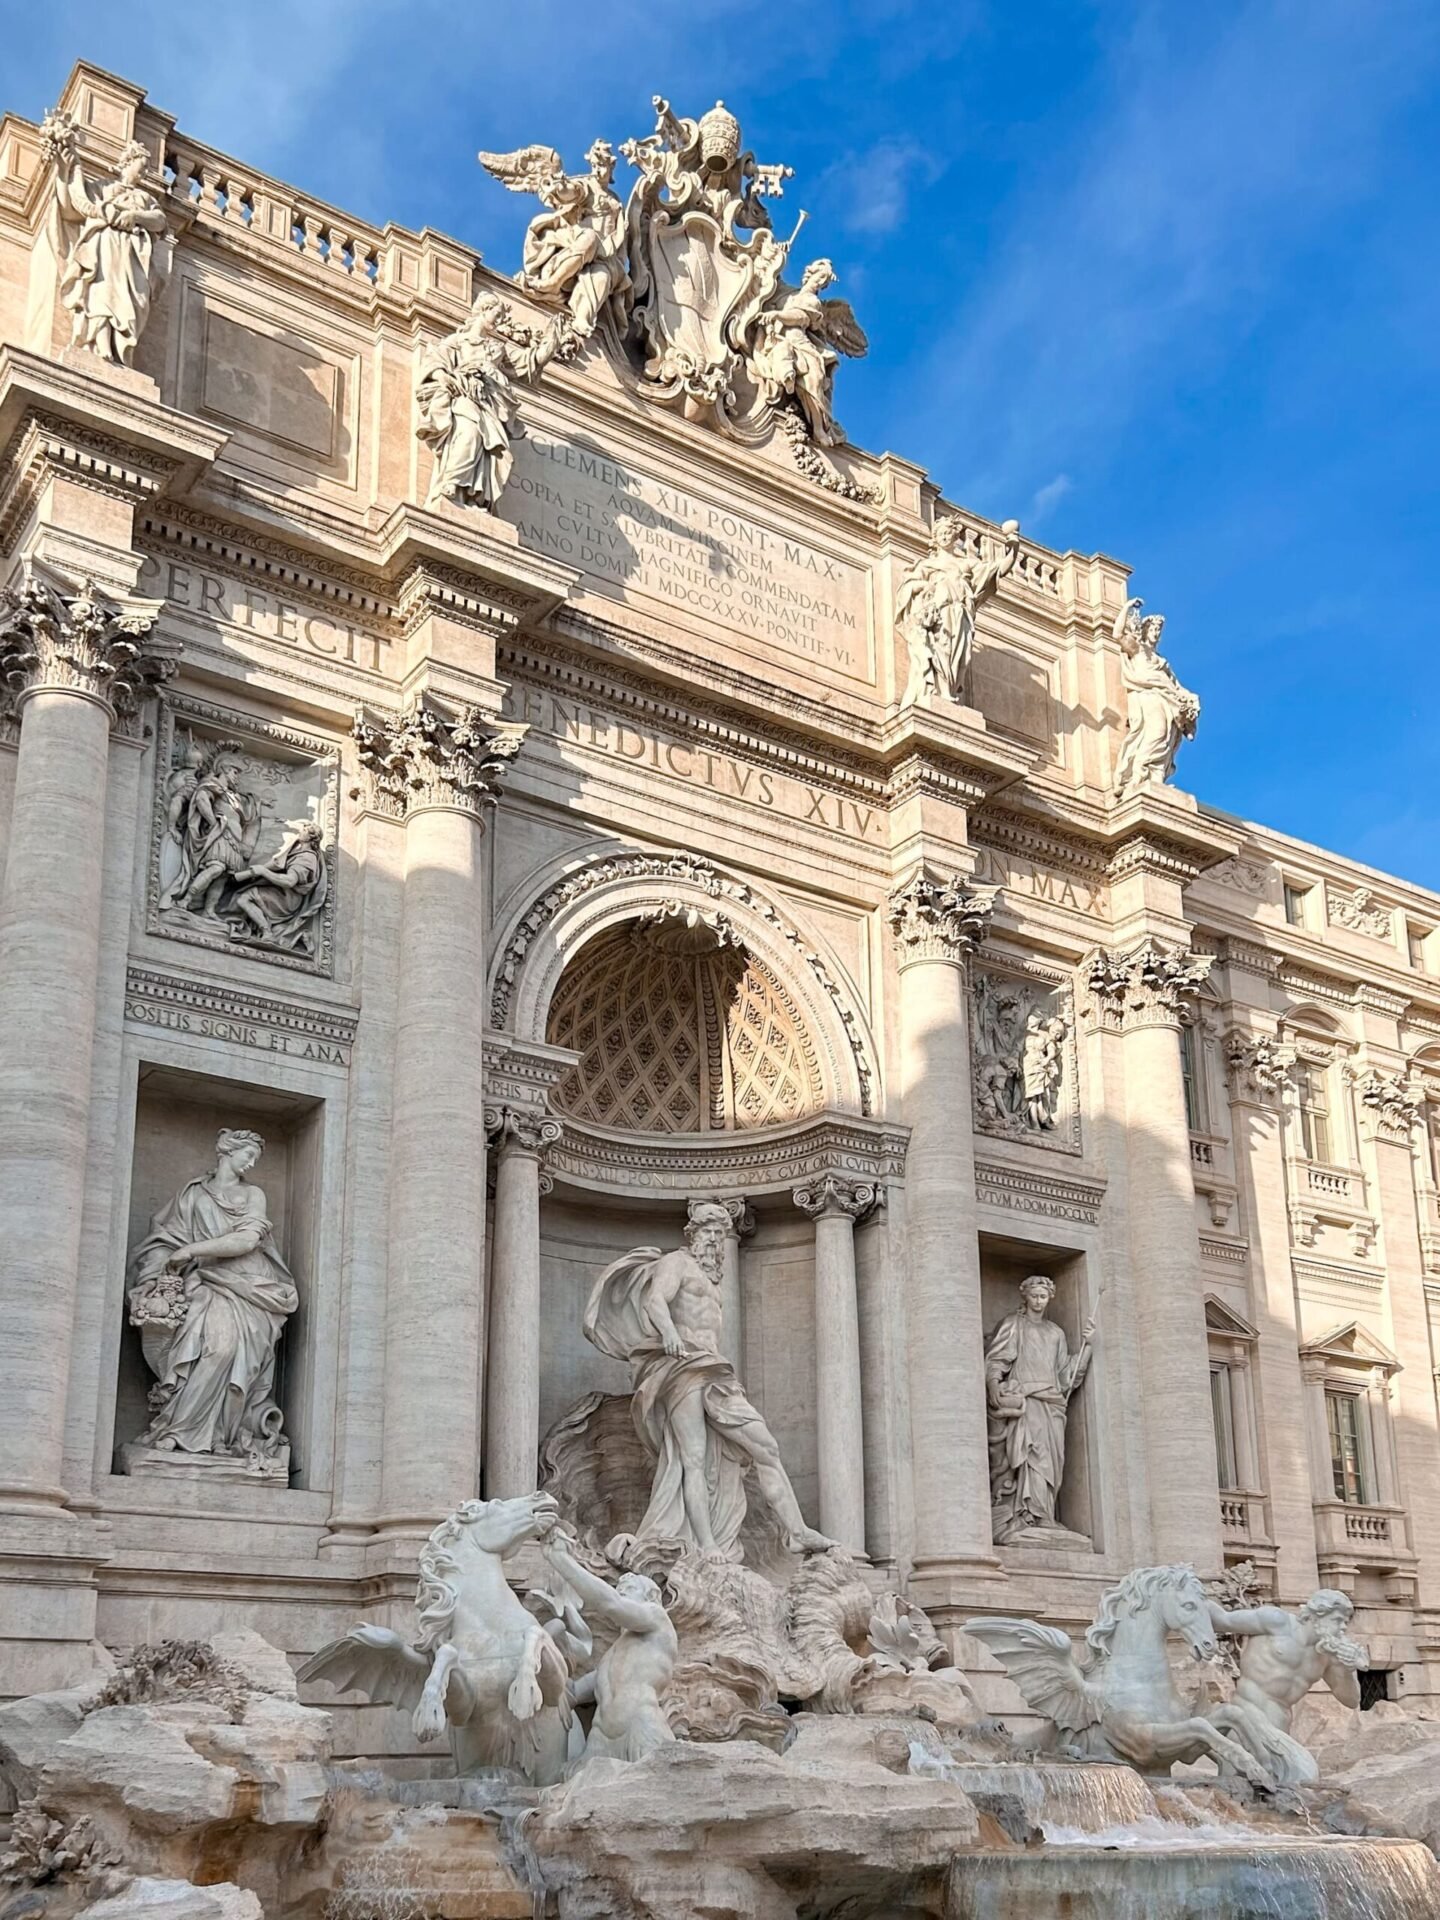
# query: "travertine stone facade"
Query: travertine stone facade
{"points": [[537, 838]]}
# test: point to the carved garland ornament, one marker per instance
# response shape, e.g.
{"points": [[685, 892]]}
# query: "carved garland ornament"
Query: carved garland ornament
{"points": [[692, 870]]}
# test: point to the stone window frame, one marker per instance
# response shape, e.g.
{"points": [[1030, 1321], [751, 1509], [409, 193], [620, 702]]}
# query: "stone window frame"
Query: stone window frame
{"points": [[1351, 1361], [1232, 1343]]}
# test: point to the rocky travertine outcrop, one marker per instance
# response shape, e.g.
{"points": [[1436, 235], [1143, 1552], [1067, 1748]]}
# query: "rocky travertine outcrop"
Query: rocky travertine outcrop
{"points": [[193, 1769]]}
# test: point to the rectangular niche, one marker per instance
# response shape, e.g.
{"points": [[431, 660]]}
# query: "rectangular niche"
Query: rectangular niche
{"points": [[1022, 1038], [235, 793], [1004, 1263], [178, 1116]]}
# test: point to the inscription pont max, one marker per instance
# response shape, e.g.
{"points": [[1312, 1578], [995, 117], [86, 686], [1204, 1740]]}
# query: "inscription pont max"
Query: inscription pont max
{"points": [[639, 536]]}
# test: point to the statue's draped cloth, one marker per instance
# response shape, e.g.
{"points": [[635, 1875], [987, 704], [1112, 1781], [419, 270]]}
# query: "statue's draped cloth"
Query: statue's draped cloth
{"points": [[1027, 1454], [217, 1370], [618, 1322]]}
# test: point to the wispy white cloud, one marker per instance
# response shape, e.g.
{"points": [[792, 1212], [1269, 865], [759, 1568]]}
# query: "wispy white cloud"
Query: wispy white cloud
{"points": [[1048, 496], [1222, 148], [877, 182]]}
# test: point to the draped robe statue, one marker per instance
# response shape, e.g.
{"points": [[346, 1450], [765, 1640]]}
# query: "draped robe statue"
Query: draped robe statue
{"points": [[661, 1313], [1030, 1375], [210, 1295]]}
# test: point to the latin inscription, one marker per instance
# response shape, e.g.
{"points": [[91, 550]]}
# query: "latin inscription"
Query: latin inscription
{"points": [[196, 1024], [634, 534], [995, 869], [236, 604], [569, 721]]}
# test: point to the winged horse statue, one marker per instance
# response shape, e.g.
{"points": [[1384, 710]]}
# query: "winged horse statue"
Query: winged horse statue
{"points": [[1118, 1700], [484, 1667]]}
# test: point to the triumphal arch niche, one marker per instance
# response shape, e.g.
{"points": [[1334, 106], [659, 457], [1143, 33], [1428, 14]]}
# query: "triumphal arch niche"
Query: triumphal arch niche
{"points": [[496, 783]]}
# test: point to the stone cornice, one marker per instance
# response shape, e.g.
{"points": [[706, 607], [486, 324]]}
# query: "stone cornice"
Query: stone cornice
{"points": [[1013, 832], [192, 1003], [723, 1165], [1031, 1190]]}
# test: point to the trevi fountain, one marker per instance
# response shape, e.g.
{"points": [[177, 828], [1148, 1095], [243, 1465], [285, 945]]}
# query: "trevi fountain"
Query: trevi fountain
{"points": [[678, 1241]]}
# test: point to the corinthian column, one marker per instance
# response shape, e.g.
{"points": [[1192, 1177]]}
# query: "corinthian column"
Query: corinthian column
{"points": [[937, 925], [437, 767], [1147, 994], [79, 664], [1261, 1069], [835, 1204], [512, 1407]]}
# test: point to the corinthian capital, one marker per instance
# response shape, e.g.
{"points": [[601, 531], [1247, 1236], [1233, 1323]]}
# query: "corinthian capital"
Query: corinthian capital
{"points": [[1388, 1105], [434, 754], [1145, 986], [940, 919], [59, 636], [1260, 1068]]}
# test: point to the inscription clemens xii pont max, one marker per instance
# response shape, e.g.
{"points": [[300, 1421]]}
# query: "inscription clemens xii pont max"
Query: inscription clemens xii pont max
{"points": [[637, 535]]}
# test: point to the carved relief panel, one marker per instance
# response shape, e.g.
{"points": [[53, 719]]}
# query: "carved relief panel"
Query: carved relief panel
{"points": [[1023, 1045], [242, 847]]}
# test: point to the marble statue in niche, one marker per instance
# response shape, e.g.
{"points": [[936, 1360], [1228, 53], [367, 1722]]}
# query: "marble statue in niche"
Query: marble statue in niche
{"points": [[117, 253], [660, 1312], [218, 803], [938, 603], [210, 1295], [574, 252], [1022, 1032], [468, 395], [1159, 712], [1030, 1378]]}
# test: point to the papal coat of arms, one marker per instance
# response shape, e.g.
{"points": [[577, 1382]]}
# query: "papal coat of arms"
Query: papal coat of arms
{"points": [[685, 284]]}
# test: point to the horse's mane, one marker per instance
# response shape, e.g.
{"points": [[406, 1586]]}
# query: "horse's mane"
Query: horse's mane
{"points": [[1135, 1594], [436, 1596]]}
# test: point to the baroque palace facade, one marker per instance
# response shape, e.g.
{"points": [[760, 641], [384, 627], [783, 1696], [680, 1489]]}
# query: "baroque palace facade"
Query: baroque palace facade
{"points": [[488, 773]]}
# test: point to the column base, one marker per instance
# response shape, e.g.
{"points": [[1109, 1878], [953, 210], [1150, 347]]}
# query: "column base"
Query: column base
{"points": [[48, 1599], [953, 1588]]}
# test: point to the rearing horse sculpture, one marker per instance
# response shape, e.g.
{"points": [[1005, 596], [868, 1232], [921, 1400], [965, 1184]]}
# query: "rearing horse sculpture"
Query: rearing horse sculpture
{"points": [[483, 1666], [1119, 1701]]}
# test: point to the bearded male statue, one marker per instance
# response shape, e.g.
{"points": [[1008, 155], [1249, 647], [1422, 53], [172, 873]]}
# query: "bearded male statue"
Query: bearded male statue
{"points": [[661, 1313], [1282, 1655]]}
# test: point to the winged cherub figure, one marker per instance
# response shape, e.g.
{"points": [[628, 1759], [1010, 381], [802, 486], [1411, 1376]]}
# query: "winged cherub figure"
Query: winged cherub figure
{"points": [[796, 346], [574, 252]]}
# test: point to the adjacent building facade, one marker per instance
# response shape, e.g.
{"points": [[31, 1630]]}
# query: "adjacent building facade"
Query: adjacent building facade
{"points": [[484, 848]]}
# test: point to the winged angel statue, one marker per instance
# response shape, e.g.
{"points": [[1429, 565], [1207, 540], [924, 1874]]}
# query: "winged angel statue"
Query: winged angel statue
{"points": [[689, 275], [1116, 1699], [574, 252]]}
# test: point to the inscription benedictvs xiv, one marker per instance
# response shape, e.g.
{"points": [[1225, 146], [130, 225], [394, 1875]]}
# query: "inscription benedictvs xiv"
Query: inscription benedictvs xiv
{"points": [[700, 561]]}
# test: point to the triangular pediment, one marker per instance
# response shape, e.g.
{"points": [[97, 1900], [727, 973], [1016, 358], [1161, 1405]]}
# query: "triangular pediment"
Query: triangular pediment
{"points": [[1224, 1320], [1354, 1345]]}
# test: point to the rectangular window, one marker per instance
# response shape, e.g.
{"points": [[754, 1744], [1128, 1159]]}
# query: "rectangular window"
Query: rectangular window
{"points": [[1222, 1413], [1315, 1114], [1190, 1073], [1347, 1463], [1416, 938], [1295, 898]]}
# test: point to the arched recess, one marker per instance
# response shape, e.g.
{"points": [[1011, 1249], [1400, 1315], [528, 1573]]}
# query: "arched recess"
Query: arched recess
{"points": [[579, 902]]}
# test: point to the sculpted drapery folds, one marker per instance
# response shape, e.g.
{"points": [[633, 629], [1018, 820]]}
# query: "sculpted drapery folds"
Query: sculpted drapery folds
{"points": [[938, 603], [795, 346], [574, 252], [468, 394], [661, 1313], [1159, 712], [116, 251], [210, 1295], [1030, 1375]]}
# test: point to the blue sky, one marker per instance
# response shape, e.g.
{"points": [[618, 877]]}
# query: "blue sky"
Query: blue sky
{"points": [[1161, 280]]}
